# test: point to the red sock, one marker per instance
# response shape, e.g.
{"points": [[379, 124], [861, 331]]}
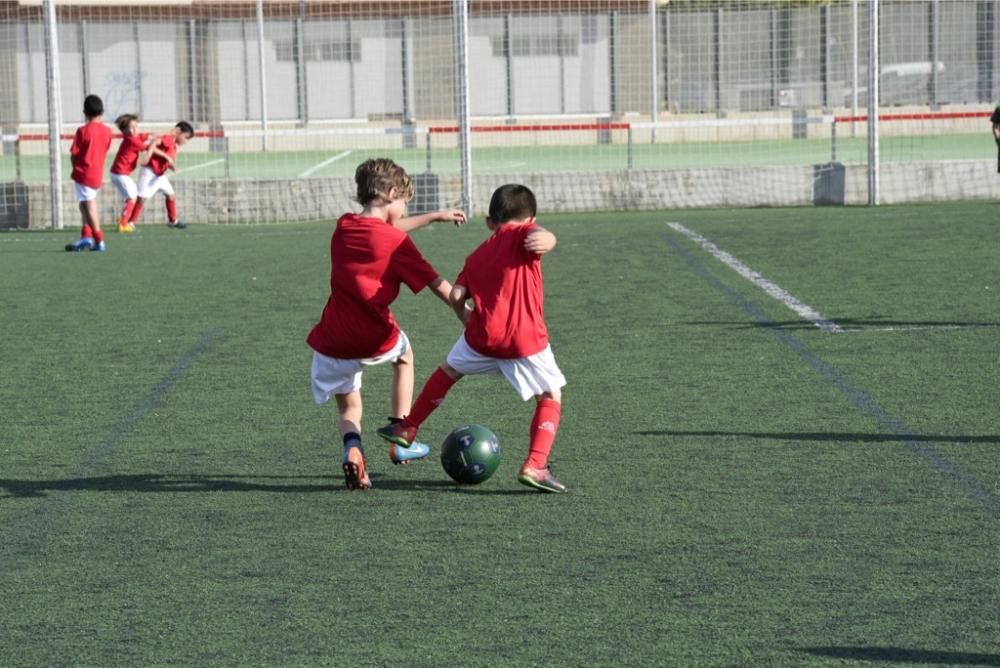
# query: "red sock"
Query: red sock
{"points": [[135, 211], [87, 233], [171, 210], [127, 212], [544, 426], [99, 236], [431, 396]]}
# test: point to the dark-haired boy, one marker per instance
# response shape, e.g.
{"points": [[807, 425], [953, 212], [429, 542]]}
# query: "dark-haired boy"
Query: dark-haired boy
{"points": [[153, 175], [505, 332], [88, 152]]}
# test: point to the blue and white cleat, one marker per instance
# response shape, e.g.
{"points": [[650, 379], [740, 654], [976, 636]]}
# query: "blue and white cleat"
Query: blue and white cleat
{"points": [[100, 248], [404, 455], [81, 244]]}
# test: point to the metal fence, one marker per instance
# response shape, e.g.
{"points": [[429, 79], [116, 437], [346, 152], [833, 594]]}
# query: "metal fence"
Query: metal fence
{"points": [[306, 64]]}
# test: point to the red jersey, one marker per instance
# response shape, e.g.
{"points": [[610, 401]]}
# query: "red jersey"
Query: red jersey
{"points": [[88, 152], [505, 283], [167, 144], [369, 260], [128, 153]]}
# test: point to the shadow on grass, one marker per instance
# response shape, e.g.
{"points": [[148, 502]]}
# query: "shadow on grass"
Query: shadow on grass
{"points": [[903, 655], [830, 436], [158, 482], [395, 485], [851, 324]]}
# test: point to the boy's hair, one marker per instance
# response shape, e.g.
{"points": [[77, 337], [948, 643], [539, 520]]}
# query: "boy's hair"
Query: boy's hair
{"points": [[123, 121], [92, 106], [377, 176], [186, 128], [512, 202]]}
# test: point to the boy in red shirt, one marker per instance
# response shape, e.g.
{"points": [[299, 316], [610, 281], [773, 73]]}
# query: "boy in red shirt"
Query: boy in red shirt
{"points": [[505, 331], [130, 150], [88, 152], [371, 256], [152, 176]]}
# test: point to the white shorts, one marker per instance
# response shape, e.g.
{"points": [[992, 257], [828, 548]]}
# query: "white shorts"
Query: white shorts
{"points": [[125, 185], [331, 375], [150, 184], [84, 193], [530, 375]]}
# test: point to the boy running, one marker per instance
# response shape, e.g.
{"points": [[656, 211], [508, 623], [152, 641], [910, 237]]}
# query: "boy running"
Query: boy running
{"points": [[88, 152], [505, 332], [133, 144], [370, 259], [152, 176]]}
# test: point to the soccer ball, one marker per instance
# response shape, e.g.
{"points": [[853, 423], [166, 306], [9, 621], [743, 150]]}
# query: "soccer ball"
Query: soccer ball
{"points": [[470, 454]]}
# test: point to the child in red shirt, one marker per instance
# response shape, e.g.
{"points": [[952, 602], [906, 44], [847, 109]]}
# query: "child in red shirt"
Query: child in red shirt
{"points": [[88, 152], [130, 152], [153, 175], [505, 331], [371, 257]]}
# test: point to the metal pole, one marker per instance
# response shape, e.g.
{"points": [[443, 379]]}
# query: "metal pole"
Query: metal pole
{"points": [[508, 64], [54, 100], [613, 62], [263, 75], [854, 65], [350, 68], [138, 68], [462, 99], [935, 30], [653, 95], [84, 55], [873, 76]]}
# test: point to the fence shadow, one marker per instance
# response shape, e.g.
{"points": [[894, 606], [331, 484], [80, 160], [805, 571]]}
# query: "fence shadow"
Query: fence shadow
{"points": [[904, 655]]}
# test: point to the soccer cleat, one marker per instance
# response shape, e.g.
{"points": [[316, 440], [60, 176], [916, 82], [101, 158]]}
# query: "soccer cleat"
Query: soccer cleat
{"points": [[355, 473], [395, 432], [540, 479], [83, 243], [127, 228], [100, 248], [404, 455], [176, 224]]}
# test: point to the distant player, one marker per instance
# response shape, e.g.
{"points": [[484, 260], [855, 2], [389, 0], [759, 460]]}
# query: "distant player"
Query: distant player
{"points": [[88, 153], [995, 120], [153, 175], [505, 332], [132, 146], [370, 258]]}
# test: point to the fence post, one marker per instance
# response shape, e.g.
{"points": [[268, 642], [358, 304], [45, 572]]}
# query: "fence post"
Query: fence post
{"points": [[873, 81], [263, 75], [653, 88], [462, 99], [54, 100]]}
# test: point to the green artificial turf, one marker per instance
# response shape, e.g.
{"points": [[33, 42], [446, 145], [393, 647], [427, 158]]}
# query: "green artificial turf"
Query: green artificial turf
{"points": [[746, 489]]}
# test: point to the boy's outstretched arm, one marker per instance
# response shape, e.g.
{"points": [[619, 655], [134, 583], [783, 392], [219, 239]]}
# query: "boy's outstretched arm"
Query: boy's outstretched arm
{"points": [[540, 241], [411, 223], [458, 299], [446, 293]]}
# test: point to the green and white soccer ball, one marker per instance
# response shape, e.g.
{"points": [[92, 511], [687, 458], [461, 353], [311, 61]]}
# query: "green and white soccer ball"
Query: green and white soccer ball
{"points": [[470, 454]]}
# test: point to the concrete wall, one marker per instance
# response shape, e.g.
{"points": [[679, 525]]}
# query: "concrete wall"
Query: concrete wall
{"points": [[252, 201]]}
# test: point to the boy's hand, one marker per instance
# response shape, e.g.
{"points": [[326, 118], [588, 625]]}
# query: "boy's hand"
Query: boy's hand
{"points": [[456, 216], [540, 242]]}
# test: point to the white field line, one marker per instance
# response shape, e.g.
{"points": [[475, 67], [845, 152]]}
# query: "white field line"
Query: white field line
{"points": [[803, 310], [328, 161], [200, 166]]}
